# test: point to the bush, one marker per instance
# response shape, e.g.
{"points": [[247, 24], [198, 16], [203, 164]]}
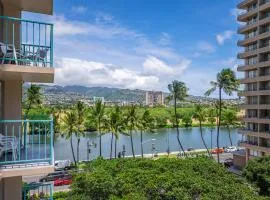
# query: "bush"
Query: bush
{"points": [[162, 179], [257, 172]]}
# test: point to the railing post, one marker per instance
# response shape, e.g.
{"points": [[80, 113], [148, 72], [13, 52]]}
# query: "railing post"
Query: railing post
{"points": [[52, 138], [51, 45]]}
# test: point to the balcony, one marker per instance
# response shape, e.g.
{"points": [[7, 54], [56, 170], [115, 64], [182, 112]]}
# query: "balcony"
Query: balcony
{"points": [[244, 4], [26, 143], [254, 146], [26, 50], [248, 14], [246, 67]]}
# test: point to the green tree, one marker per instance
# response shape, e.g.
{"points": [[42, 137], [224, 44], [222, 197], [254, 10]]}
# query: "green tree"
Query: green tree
{"points": [[178, 92], [212, 122], [116, 126], [80, 112], [98, 115], [69, 127], [187, 119], [56, 113], [229, 119], [146, 123], [226, 82], [132, 124], [33, 98], [257, 172], [200, 115]]}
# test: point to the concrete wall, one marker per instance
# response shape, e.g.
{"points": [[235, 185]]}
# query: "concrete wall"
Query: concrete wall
{"points": [[11, 188], [12, 99]]}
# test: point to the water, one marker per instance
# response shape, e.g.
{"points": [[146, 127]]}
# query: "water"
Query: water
{"points": [[190, 137]]}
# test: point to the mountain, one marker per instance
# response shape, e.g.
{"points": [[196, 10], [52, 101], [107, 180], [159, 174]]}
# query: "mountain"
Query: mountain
{"points": [[55, 94]]}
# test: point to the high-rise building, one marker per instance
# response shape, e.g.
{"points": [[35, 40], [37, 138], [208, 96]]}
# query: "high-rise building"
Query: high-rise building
{"points": [[256, 68], [26, 55], [154, 98]]}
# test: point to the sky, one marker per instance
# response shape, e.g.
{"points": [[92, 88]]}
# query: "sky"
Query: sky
{"points": [[140, 44]]}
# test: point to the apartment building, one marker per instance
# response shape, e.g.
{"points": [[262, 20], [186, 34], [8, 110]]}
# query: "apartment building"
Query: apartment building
{"points": [[154, 98], [26, 55], [256, 68]]}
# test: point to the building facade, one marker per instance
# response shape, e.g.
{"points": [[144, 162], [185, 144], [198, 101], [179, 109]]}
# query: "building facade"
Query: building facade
{"points": [[26, 55], [256, 68], [154, 98]]}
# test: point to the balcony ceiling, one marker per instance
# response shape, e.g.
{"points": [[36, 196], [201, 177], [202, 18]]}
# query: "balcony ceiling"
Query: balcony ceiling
{"points": [[37, 6]]}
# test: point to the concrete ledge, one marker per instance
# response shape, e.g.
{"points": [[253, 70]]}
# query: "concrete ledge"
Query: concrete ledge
{"points": [[26, 73], [26, 171]]}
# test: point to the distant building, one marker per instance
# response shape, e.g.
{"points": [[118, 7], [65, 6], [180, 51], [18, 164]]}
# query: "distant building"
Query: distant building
{"points": [[154, 98], [102, 99]]}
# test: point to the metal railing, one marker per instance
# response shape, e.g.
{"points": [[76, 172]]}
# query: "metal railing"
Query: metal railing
{"points": [[25, 142], [26, 42], [37, 191]]}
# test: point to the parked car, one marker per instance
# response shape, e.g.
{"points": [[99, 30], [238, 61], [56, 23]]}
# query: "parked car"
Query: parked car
{"points": [[53, 176], [63, 181], [231, 149], [228, 162], [190, 149], [216, 151], [62, 165]]}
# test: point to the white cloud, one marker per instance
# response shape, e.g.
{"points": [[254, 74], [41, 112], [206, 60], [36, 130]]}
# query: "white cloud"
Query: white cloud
{"points": [[90, 73], [204, 47], [226, 35], [235, 12], [78, 9], [71, 27], [165, 39]]}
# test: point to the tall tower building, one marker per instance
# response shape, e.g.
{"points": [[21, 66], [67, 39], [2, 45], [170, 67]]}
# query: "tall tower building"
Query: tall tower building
{"points": [[256, 68]]}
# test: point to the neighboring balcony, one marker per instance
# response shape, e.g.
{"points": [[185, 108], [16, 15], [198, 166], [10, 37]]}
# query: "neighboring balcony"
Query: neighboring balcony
{"points": [[26, 50], [243, 17], [245, 4], [246, 67], [254, 146], [26, 145], [255, 79]]}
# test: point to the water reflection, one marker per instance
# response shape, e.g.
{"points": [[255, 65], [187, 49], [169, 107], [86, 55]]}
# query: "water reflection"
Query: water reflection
{"points": [[164, 138]]}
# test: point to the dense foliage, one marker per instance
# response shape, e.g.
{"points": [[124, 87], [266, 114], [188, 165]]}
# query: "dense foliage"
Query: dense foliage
{"points": [[257, 172], [166, 179]]}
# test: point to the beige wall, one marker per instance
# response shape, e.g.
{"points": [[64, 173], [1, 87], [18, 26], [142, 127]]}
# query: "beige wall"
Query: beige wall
{"points": [[12, 99], [11, 188]]}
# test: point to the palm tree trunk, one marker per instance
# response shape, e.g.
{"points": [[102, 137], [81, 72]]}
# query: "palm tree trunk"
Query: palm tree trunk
{"points": [[72, 150], [142, 143], [100, 142], [204, 140], [219, 120], [131, 141], [229, 130], [78, 149], [111, 146], [177, 128], [115, 147]]}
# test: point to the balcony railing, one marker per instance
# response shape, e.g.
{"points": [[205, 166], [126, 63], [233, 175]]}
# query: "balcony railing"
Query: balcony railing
{"points": [[26, 142], [38, 191], [25, 42]]}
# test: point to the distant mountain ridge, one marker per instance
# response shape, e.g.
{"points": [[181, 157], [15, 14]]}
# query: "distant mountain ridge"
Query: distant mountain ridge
{"points": [[69, 94]]}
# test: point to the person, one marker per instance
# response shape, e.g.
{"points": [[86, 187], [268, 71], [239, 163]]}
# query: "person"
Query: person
{"points": [[119, 154]]}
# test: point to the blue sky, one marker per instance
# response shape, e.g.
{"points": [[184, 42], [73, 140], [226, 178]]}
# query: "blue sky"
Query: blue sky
{"points": [[143, 44]]}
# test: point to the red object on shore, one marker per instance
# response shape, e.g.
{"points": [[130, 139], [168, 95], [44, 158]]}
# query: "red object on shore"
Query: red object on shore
{"points": [[60, 182], [216, 151]]}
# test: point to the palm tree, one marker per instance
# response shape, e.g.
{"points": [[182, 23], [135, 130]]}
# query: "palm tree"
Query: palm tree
{"points": [[212, 120], [146, 123], [178, 92], [33, 98], [132, 124], [80, 111], [229, 119], [199, 115], [98, 114], [226, 82], [56, 113], [115, 126], [69, 127]]}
